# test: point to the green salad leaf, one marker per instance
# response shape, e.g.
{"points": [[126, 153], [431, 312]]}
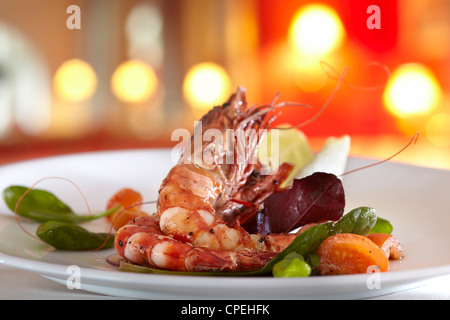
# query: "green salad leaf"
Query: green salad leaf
{"points": [[42, 206], [360, 221], [382, 226], [72, 237]]}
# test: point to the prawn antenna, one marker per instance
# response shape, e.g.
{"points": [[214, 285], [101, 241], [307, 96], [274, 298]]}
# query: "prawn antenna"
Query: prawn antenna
{"points": [[16, 215], [332, 73], [340, 80], [326, 67], [413, 140]]}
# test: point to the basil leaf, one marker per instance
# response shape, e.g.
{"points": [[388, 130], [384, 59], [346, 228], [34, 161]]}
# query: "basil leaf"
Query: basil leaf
{"points": [[360, 221], [382, 226], [68, 236], [35, 200], [42, 206]]}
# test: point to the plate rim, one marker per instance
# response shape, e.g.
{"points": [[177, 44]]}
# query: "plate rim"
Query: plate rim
{"points": [[166, 286]]}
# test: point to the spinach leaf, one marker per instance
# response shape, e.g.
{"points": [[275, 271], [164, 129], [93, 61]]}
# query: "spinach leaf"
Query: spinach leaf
{"points": [[382, 226], [43, 206], [360, 221], [68, 236]]}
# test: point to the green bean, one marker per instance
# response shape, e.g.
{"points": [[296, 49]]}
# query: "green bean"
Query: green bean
{"points": [[293, 265]]}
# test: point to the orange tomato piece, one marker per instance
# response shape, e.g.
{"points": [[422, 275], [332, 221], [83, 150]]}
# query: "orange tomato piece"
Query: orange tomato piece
{"points": [[388, 243], [125, 198], [348, 253]]}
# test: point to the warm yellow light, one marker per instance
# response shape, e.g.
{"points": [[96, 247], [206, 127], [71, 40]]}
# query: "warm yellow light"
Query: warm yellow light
{"points": [[438, 130], [205, 85], [134, 81], [412, 90], [308, 74], [316, 29], [75, 81]]}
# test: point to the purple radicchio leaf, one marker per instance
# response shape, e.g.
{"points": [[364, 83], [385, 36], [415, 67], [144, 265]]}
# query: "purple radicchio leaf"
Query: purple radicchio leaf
{"points": [[315, 198]]}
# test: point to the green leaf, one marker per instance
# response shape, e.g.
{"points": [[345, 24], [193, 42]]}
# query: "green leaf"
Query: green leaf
{"points": [[68, 236], [360, 221], [382, 226], [42, 206], [35, 203]]}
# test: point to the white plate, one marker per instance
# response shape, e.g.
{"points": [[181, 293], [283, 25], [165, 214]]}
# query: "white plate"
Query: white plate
{"points": [[414, 199]]}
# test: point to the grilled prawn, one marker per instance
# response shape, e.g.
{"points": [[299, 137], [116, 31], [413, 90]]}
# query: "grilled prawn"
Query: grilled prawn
{"points": [[196, 226]]}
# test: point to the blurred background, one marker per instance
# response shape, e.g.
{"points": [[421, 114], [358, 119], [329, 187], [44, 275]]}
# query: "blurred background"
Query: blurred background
{"points": [[94, 75]]}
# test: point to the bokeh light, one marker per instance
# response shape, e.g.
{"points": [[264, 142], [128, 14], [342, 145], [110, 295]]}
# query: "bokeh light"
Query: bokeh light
{"points": [[144, 34], [438, 129], [309, 75], [316, 29], [75, 81], [205, 85], [134, 81], [412, 90]]}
